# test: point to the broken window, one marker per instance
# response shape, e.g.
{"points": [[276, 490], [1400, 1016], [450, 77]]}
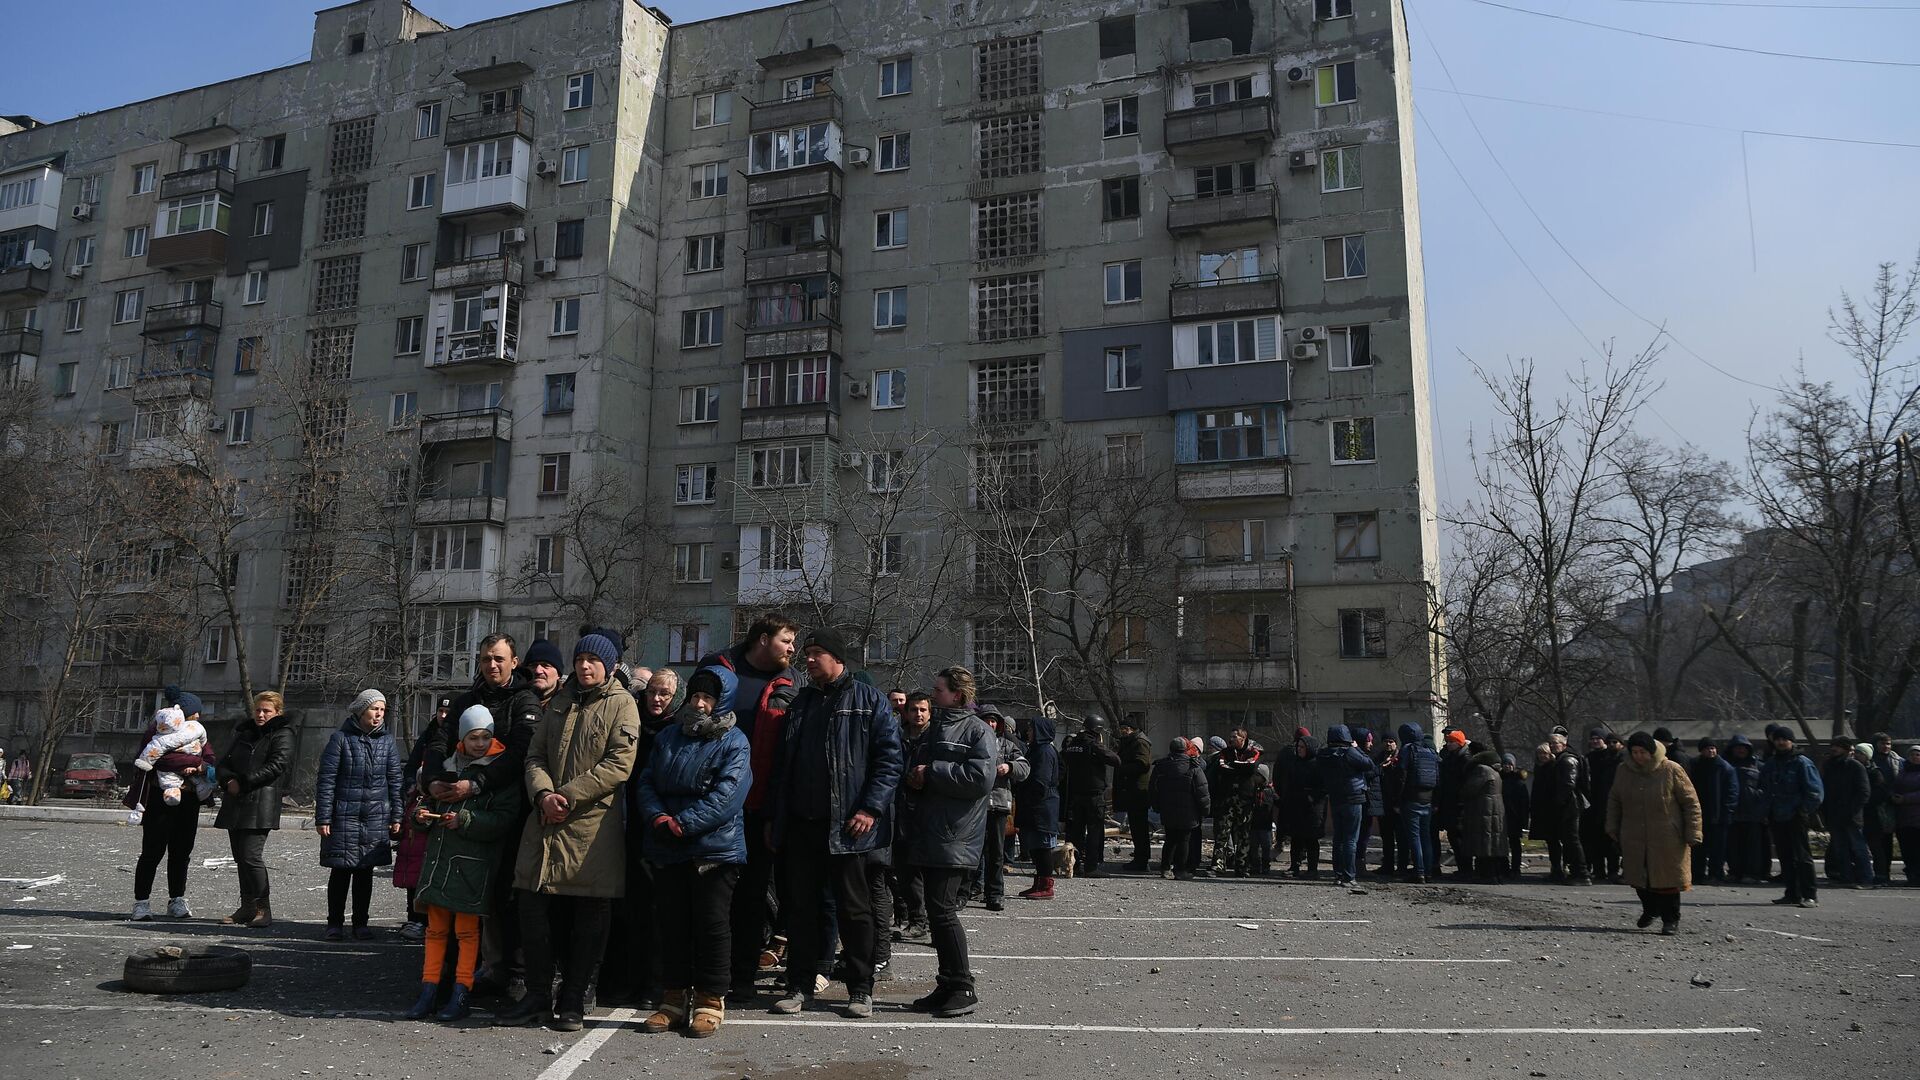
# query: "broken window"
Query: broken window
{"points": [[1009, 68], [1116, 37], [1007, 227], [1230, 19], [1009, 145]]}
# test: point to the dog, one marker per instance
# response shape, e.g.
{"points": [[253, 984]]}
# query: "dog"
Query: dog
{"points": [[1064, 858]]}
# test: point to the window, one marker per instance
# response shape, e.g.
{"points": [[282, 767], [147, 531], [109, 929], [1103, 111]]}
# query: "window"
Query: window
{"points": [[890, 308], [890, 389], [330, 352], [1007, 226], [1234, 341], [555, 471], [247, 354], [560, 393], [119, 372], [789, 148], [440, 643], [1333, 9], [1346, 256], [263, 219], [1356, 537], [459, 547], [1120, 199], [886, 470], [1123, 282], [113, 437], [805, 86], [1244, 434], [886, 555], [420, 190], [894, 152], [343, 213], [80, 251], [1220, 266], [699, 404], [579, 90], [782, 548], [1363, 633], [1349, 347], [273, 152], [709, 181], [144, 176], [239, 427], [700, 328], [566, 316], [22, 192], [712, 110], [136, 243], [1125, 455], [415, 260], [996, 650], [570, 239], [1352, 440], [1116, 37], [1007, 391], [550, 555], [1213, 181], [890, 229], [195, 213], [76, 314], [691, 563], [896, 77], [1124, 368], [337, 284], [573, 164], [479, 161], [215, 650], [1334, 85], [1008, 145], [427, 118], [1122, 117], [402, 408], [885, 643], [356, 43], [66, 378], [1006, 308], [780, 466], [1008, 67], [409, 334], [350, 145], [1127, 639], [1339, 168], [706, 253], [1223, 92], [128, 305], [695, 484]]}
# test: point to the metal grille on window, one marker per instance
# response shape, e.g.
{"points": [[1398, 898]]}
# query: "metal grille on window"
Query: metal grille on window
{"points": [[1009, 67], [324, 425], [1008, 391], [997, 652], [330, 352], [1007, 227], [350, 145], [1006, 308], [1008, 145], [337, 284], [343, 214]]}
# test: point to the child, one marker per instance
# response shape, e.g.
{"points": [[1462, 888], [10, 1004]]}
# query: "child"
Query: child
{"points": [[463, 855], [173, 732], [1260, 829]]}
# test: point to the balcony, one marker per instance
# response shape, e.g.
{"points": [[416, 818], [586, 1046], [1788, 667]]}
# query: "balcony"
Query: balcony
{"points": [[1249, 120], [491, 270], [1222, 297], [1230, 481], [1235, 575], [20, 341], [794, 185], [179, 185], [162, 319], [480, 327], [457, 587], [469, 425], [460, 510], [1193, 213], [23, 280], [767, 342], [167, 378], [201, 249], [780, 264], [480, 126], [819, 420], [1219, 386], [797, 112], [1234, 675]]}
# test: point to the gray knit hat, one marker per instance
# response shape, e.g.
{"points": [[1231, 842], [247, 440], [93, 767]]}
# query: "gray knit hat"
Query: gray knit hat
{"points": [[366, 698], [475, 718]]}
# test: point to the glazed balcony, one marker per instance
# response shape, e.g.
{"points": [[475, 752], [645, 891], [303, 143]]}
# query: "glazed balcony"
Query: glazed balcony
{"points": [[794, 185]]}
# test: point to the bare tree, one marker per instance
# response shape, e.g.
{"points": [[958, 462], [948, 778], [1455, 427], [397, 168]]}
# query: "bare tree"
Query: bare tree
{"points": [[607, 562]]}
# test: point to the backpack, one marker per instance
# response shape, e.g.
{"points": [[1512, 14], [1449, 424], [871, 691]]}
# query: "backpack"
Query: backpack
{"points": [[1422, 767]]}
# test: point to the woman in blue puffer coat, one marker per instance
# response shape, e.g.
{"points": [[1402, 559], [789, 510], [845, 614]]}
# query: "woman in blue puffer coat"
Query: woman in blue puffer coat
{"points": [[692, 802], [357, 806]]}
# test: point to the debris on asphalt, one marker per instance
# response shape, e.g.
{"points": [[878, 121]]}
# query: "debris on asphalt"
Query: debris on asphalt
{"points": [[1701, 980]]}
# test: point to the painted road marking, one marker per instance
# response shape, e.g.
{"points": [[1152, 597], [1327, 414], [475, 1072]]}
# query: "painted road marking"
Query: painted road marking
{"points": [[1783, 933], [583, 1051], [1243, 959], [159, 938], [991, 917]]}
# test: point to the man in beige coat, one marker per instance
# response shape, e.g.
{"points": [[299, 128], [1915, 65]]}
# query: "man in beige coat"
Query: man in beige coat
{"points": [[1653, 813], [573, 854]]}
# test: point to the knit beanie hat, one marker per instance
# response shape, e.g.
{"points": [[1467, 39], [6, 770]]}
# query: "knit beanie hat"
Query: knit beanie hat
{"points": [[829, 641], [189, 704], [477, 717], [1865, 750], [1703, 743], [705, 682], [600, 648], [1509, 760], [366, 698], [1779, 731], [1217, 743], [546, 652], [1642, 740], [1301, 733]]}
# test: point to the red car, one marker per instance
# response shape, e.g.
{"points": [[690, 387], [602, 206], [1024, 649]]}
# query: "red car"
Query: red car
{"points": [[89, 774]]}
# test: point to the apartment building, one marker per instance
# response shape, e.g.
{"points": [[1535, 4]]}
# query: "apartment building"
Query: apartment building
{"points": [[742, 262]]}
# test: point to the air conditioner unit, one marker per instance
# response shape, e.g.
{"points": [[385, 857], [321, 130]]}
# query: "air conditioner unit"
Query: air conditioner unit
{"points": [[76, 271], [726, 560], [855, 459], [543, 167], [1302, 159], [82, 211], [857, 390], [216, 424], [546, 266], [859, 157], [1305, 351], [1299, 76], [1312, 333], [515, 235]]}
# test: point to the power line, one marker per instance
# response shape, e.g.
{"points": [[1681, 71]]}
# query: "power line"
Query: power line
{"points": [[1666, 119], [1701, 44], [1750, 5]]}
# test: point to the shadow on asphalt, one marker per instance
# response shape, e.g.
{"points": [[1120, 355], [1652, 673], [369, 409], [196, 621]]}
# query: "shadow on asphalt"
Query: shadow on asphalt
{"points": [[1545, 928]]}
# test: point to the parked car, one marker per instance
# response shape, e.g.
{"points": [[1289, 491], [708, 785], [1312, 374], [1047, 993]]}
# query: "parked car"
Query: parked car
{"points": [[89, 774]]}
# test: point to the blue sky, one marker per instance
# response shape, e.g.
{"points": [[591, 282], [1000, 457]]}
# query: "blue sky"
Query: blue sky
{"points": [[1736, 244]]}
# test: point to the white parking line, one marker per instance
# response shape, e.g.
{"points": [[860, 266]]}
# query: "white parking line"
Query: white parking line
{"points": [[1216, 959], [582, 1052], [990, 917], [1783, 933], [251, 941]]}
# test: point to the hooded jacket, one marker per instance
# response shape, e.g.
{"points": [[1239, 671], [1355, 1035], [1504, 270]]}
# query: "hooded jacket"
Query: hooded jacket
{"points": [[583, 748], [1717, 785], [1750, 807], [1419, 766], [697, 773], [357, 794], [1303, 799], [1905, 791], [1483, 810], [1014, 757], [1653, 813], [1084, 766], [863, 760], [1036, 800], [258, 758], [960, 754], [1344, 769], [1177, 789], [460, 864], [1793, 786], [1517, 796]]}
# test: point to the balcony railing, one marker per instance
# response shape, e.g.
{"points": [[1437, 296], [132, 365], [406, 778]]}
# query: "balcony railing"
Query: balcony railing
{"points": [[184, 315], [20, 340], [460, 509], [1229, 296], [1235, 575], [179, 185], [1190, 213], [466, 425], [795, 112], [793, 185], [476, 126], [194, 250], [778, 341], [1233, 481], [490, 270], [805, 262], [1246, 120], [24, 279], [1234, 674]]}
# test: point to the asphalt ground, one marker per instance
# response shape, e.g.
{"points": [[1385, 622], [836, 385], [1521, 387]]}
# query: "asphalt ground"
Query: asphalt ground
{"points": [[1134, 977]]}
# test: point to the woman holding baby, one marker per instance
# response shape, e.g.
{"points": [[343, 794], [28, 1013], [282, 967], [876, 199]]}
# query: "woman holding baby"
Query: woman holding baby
{"points": [[168, 822]]}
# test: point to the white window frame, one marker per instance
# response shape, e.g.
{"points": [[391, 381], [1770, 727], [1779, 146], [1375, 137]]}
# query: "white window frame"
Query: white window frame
{"points": [[896, 229], [787, 466], [1328, 10], [575, 161], [146, 177], [263, 219], [256, 288], [706, 253], [579, 91], [119, 372], [1350, 245], [696, 484], [893, 152], [128, 306], [562, 465], [693, 563], [895, 381], [213, 645], [885, 471], [1116, 273], [707, 181], [421, 258], [1116, 358], [718, 107], [1342, 165], [76, 316], [239, 426], [707, 325], [891, 84], [887, 555], [1340, 436], [403, 409], [409, 335], [1341, 355], [1332, 72], [136, 242], [566, 317], [422, 190], [428, 120], [890, 308], [699, 405], [1128, 109]]}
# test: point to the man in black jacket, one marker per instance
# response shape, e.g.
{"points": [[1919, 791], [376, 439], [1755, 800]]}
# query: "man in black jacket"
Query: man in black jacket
{"points": [[1848, 787], [1130, 790], [950, 770], [1604, 751], [1084, 762], [1568, 791]]}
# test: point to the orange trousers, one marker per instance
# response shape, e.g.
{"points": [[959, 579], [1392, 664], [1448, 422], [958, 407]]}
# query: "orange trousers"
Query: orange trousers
{"points": [[463, 925]]}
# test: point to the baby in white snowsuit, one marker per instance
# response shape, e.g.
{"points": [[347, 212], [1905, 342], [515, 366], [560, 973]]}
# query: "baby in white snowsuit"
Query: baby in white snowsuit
{"points": [[173, 732]]}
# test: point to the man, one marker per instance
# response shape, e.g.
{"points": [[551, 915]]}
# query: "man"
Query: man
{"points": [[908, 892], [1343, 771], [1233, 824], [1848, 787], [897, 701], [1718, 787], [1454, 766], [1604, 754], [1746, 835], [1880, 830], [1179, 792], [1566, 787], [951, 769], [627, 970], [832, 800], [1794, 794], [1370, 817], [571, 865], [1084, 762], [1419, 769], [1012, 769], [1675, 753], [762, 661], [1386, 759], [1131, 792]]}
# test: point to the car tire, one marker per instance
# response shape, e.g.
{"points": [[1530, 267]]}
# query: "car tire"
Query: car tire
{"points": [[187, 970]]}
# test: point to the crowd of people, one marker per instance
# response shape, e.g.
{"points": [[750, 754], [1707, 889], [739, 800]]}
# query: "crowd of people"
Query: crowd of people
{"points": [[578, 831]]}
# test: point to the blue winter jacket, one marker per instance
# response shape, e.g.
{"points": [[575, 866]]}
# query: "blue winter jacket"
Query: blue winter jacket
{"points": [[863, 753], [702, 783], [357, 795], [1344, 769], [1419, 765], [1036, 800], [1752, 808], [1793, 786], [1718, 784]]}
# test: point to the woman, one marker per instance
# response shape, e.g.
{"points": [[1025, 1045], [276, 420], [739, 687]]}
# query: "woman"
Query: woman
{"points": [[357, 807], [250, 773], [1519, 801], [1036, 804], [1483, 814], [1906, 811], [1654, 816], [167, 831]]}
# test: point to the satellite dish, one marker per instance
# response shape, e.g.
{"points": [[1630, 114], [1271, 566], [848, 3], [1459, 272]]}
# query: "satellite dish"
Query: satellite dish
{"points": [[40, 259]]}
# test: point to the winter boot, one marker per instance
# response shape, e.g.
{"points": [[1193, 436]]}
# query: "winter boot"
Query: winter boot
{"points": [[1042, 876], [670, 1013], [708, 1012], [262, 915], [242, 915], [423, 1005], [456, 1007]]}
